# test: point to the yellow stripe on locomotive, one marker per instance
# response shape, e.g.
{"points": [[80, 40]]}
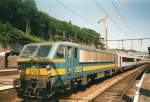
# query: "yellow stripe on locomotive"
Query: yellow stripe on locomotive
{"points": [[36, 72], [41, 60], [44, 72]]}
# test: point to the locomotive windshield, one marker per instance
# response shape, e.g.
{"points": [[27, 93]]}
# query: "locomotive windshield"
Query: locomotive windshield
{"points": [[28, 51], [43, 51], [36, 51]]}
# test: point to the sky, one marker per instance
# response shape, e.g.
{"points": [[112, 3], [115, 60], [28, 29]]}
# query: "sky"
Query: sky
{"points": [[132, 20]]}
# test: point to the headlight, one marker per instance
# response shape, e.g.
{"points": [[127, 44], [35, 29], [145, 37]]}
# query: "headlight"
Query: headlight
{"points": [[48, 67], [49, 72], [19, 71]]}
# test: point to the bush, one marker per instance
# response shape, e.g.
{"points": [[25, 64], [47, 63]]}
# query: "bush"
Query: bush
{"points": [[9, 34]]}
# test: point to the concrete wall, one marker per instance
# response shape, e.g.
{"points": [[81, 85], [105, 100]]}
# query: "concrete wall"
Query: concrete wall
{"points": [[11, 59], [2, 62]]}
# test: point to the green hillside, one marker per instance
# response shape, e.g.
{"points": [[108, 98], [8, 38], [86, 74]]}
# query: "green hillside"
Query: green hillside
{"points": [[20, 16], [10, 34]]}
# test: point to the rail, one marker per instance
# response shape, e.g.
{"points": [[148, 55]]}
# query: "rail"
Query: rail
{"points": [[128, 86]]}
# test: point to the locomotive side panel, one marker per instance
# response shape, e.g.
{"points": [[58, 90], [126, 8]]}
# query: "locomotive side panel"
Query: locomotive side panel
{"points": [[93, 56], [96, 62]]}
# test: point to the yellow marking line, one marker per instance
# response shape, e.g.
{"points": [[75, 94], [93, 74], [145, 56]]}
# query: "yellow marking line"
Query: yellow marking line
{"points": [[40, 60], [44, 71], [62, 71], [35, 71], [89, 68]]}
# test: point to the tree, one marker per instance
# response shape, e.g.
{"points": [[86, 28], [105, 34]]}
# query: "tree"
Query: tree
{"points": [[29, 8], [25, 16]]}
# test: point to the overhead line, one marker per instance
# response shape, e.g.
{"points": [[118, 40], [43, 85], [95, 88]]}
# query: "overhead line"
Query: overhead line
{"points": [[130, 39], [122, 18], [75, 13], [113, 21]]}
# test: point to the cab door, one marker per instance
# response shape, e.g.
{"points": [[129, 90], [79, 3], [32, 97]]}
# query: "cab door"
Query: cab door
{"points": [[71, 59]]}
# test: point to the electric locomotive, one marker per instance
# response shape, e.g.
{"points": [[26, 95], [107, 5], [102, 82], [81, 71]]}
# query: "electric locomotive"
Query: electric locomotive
{"points": [[48, 67]]}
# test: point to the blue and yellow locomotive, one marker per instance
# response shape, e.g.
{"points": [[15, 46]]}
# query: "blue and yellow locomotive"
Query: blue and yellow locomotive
{"points": [[45, 68]]}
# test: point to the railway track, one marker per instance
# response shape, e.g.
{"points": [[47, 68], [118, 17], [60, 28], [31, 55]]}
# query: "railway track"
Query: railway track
{"points": [[117, 92]]}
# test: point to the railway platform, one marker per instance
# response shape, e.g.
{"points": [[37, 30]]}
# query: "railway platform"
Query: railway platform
{"points": [[6, 78], [6, 72], [143, 88], [7, 81], [7, 91]]}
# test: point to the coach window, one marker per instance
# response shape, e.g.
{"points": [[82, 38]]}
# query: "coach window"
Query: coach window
{"points": [[60, 52], [126, 59], [138, 60]]}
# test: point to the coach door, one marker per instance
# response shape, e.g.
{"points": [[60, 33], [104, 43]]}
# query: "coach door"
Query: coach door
{"points": [[71, 57]]}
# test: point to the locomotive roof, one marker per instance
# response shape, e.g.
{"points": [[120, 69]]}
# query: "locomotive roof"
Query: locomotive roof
{"points": [[72, 44], [63, 43]]}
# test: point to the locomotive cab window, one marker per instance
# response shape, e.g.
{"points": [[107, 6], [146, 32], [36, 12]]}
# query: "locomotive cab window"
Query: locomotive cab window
{"points": [[75, 52], [60, 52], [43, 51], [69, 52]]}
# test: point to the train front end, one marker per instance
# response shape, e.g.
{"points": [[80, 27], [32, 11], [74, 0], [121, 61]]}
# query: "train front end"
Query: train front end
{"points": [[34, 71]]}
